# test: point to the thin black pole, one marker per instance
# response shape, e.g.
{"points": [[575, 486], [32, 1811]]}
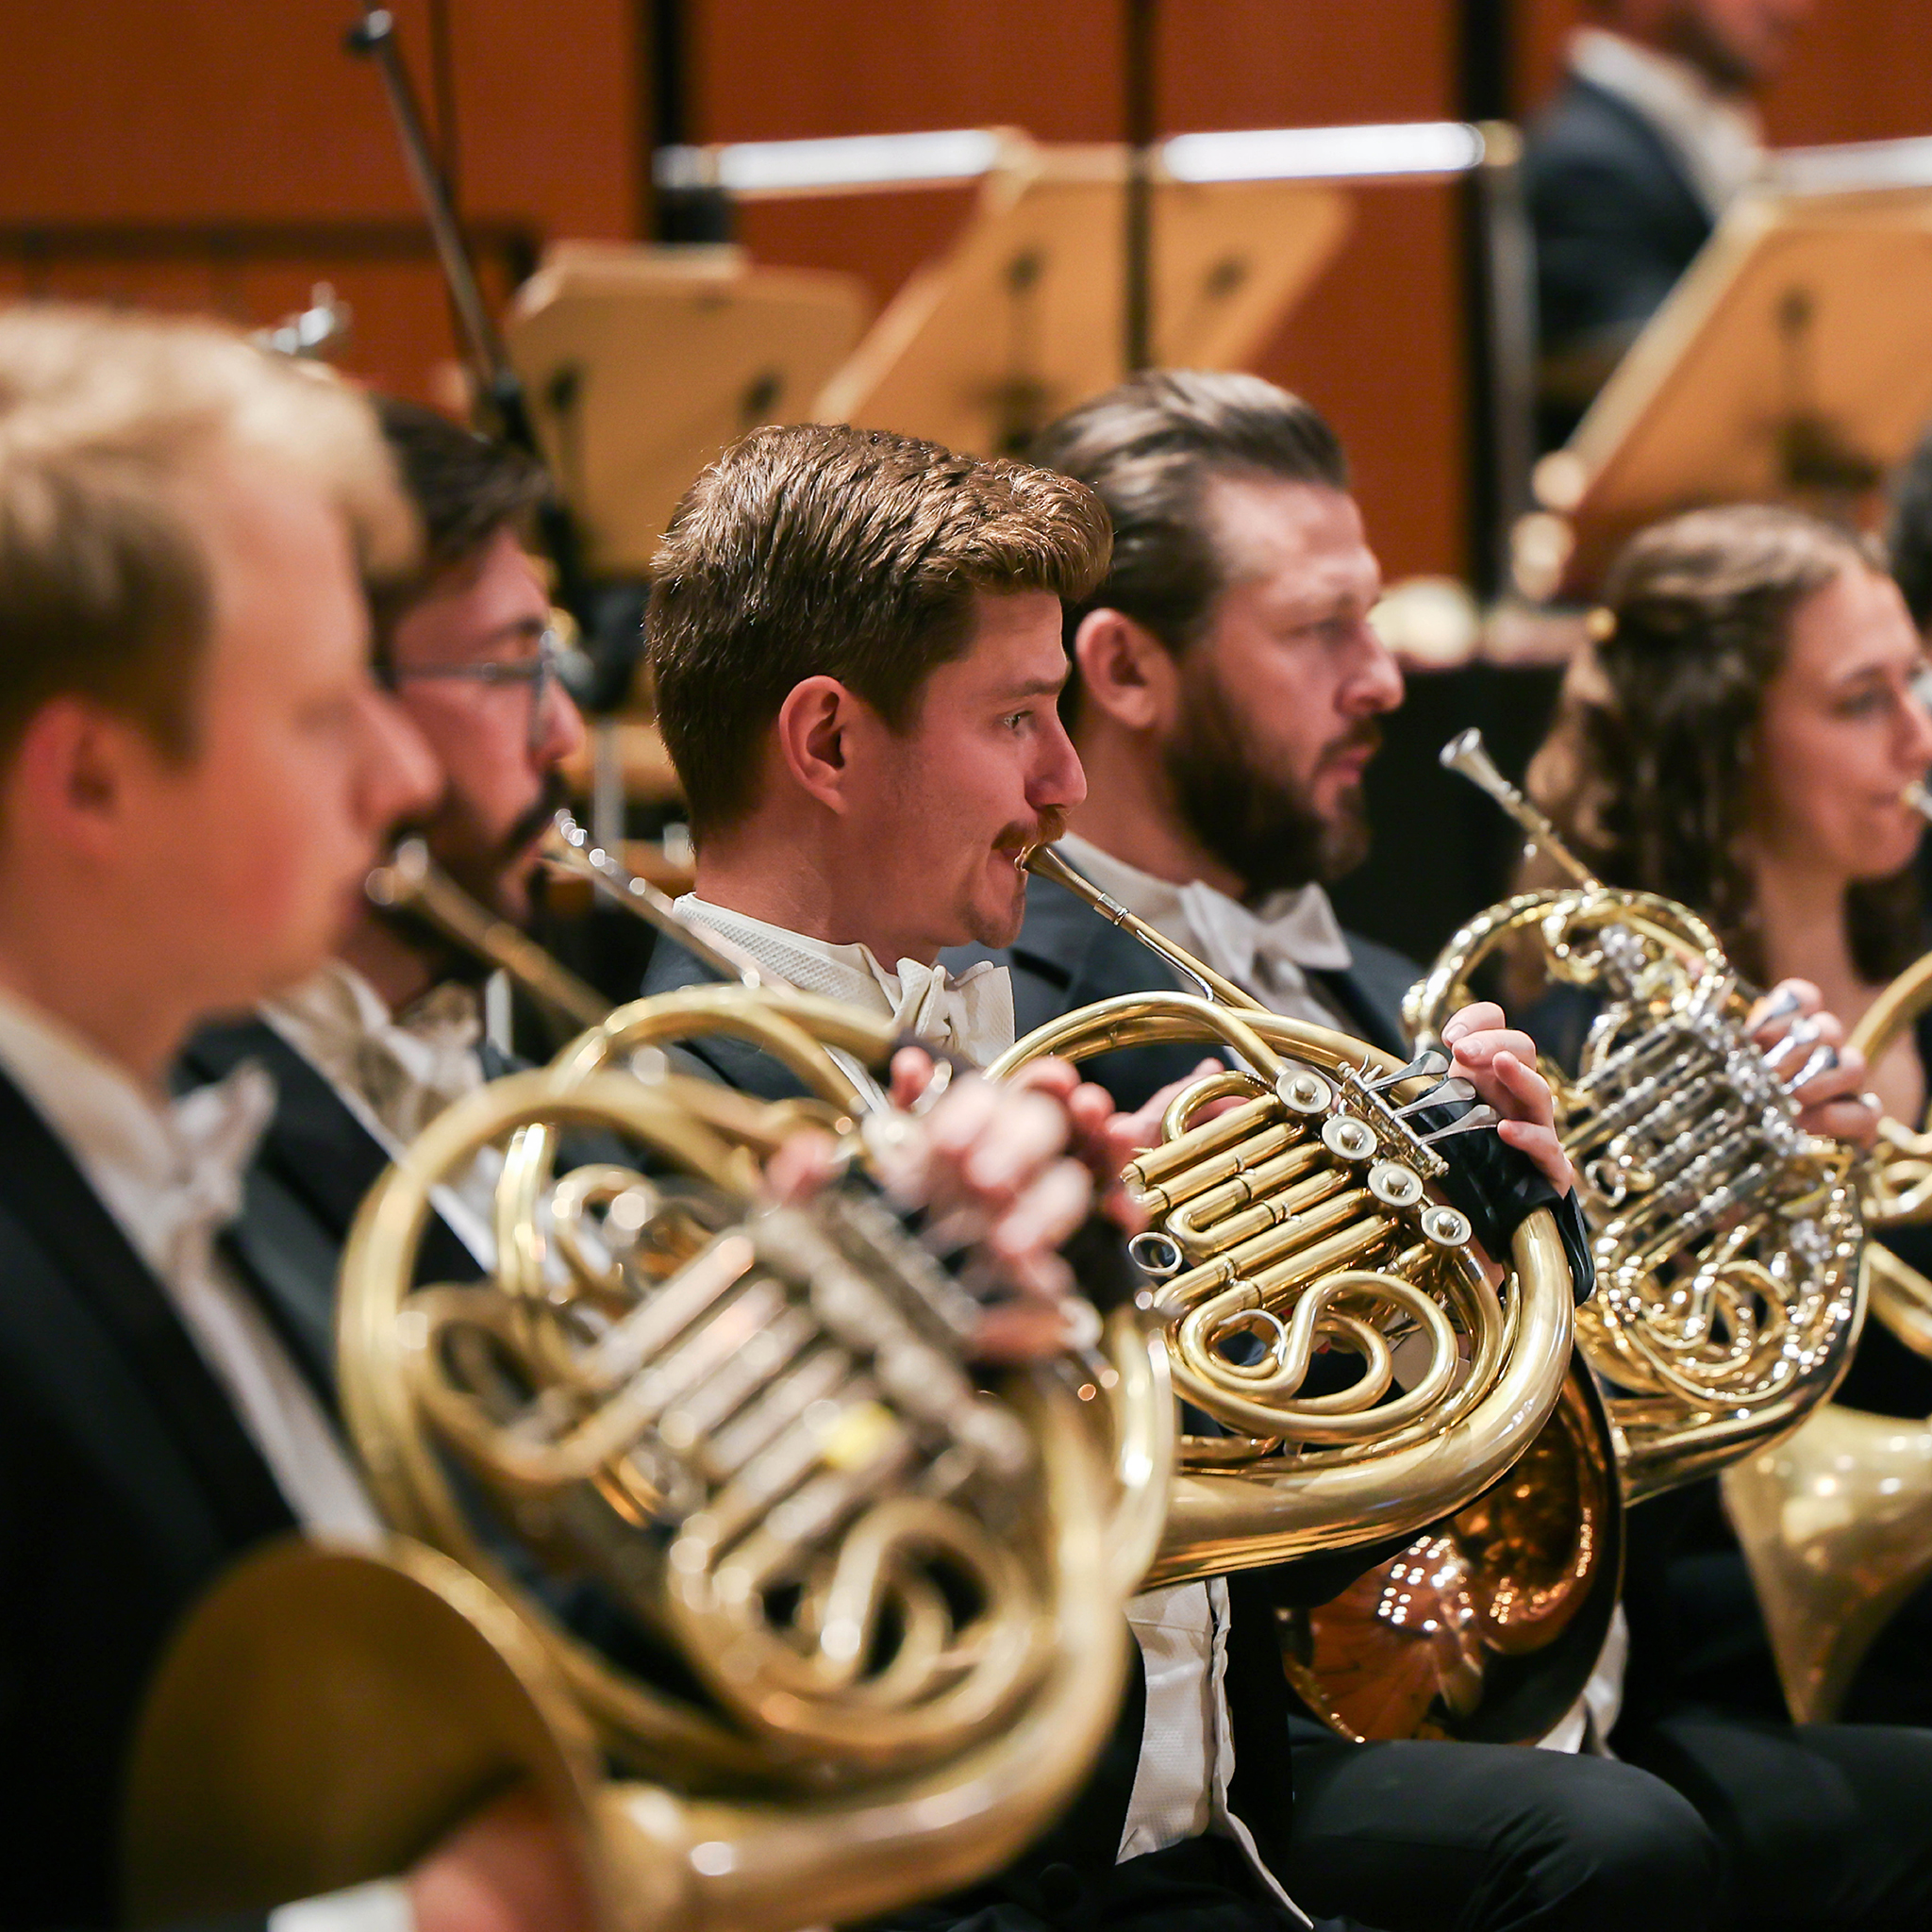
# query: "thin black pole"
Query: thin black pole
{"points": [[1138, 257]]}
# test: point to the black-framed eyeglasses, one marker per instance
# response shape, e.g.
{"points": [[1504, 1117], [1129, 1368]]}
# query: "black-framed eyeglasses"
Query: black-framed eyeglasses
{"points": [[539, 670]]}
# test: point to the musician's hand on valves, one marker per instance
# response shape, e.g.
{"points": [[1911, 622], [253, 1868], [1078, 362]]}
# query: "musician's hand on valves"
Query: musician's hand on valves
{"points": [[1499, 1061], [510, 1867], [989, 1165], [1805, 1046]]}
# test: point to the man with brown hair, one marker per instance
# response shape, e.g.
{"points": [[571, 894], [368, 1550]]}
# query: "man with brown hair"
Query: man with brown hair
{"points": [[1226, 690], [854, 642], [856, 638]]}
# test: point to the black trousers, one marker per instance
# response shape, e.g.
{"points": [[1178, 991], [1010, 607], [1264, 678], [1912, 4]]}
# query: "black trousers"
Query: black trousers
{"points": [[1819, 1824], [1494, 1837], [1710, 1824]]}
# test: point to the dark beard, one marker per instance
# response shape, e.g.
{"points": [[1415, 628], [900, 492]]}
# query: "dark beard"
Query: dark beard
{"points": [[1264, 830], [482, 878]]}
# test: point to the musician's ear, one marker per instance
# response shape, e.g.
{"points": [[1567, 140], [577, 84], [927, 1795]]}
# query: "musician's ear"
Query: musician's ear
{"points": [[1125, 671]]}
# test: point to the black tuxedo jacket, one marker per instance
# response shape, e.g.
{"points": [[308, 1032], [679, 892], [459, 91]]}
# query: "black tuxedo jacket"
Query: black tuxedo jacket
{"points": [[1616, 222], [315, 1164], [126, 1485]]}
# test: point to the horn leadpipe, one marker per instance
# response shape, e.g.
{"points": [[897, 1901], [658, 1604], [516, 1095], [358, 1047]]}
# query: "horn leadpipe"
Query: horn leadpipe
{"points": [[568, 845], [1466, 752], [1044, 863], [411, 882]]}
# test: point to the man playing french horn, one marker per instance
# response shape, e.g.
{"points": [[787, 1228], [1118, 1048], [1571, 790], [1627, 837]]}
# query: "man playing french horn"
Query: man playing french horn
{"points": [[199, 771], [1225, 703], [856, 645]]}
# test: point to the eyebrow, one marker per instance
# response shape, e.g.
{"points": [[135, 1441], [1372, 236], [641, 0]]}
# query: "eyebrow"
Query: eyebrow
{"points": [[1035, 687]]}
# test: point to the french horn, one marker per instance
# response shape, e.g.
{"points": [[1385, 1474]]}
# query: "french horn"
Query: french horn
{"points": [[1727, 1249], [1727, 1241], [1836, 1521], [699, 1523], [1313, 1207], [1308, 1217]]}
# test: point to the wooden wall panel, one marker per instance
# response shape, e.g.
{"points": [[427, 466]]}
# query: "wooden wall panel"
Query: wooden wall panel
{"points": [[201, 111], [1376, 344]]}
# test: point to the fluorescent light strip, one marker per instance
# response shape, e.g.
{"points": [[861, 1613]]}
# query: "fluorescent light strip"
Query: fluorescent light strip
{"points": [[859, 160], [1299, 153], [1853, 165]]}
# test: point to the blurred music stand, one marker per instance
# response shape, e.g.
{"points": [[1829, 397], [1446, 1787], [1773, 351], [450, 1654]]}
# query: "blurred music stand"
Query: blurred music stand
{"points": [[1021, 319], [642, 363], [1789, 364]]}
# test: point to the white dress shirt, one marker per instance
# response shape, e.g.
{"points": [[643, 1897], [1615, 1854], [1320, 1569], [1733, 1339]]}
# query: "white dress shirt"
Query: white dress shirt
{"points": [[1186, 1743], [1265, 952], [1717, 138], [397, 1073], [971, 1015]]}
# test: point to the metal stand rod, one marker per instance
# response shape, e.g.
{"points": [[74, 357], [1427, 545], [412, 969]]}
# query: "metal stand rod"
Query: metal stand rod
{"points": [[1137, 265]]}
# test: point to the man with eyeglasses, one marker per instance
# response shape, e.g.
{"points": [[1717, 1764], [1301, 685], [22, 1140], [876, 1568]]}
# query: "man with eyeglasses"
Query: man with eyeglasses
{"points": [[371, 1049]]}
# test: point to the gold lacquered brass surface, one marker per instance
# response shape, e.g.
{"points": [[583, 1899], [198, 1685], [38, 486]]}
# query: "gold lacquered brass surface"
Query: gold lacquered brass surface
{"points": [[1727, 1242], [750, 1431], [1276, 1236], [1484, 1629], [1836, 1521]]}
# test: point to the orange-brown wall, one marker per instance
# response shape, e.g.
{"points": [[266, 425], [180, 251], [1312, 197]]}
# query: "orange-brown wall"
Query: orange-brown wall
{"points": [[1377, 343], [174, 111]]}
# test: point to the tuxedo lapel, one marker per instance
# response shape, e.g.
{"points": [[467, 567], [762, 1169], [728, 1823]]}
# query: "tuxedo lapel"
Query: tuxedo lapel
{"points": [[48, 1194], [316, 1164]]}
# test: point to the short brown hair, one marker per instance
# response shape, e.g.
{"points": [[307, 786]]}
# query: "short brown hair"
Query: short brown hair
{"points": [[855, 554], [105, 585], [465, 488], [1149, 448], [1647, 769]]}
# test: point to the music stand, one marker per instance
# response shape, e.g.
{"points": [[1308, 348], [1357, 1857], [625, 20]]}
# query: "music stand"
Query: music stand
{"points": [[642, 363], [1021, 319], [1789, 364]]}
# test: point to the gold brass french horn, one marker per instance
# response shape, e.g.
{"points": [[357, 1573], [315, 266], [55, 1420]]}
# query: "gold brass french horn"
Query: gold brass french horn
{"points": [[1310, 1206], [1836, 1520], [739, 1437], [1307, 1217], [1726, 1241]]}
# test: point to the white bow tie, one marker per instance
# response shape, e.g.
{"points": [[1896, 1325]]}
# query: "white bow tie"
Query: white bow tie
{"points": [[971, 1015], [213, 1132], [411, 1069], [1237, 943]]}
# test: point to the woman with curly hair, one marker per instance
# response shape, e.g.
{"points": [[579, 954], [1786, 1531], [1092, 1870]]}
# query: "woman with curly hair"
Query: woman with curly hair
{"points": [[1738, 739]]}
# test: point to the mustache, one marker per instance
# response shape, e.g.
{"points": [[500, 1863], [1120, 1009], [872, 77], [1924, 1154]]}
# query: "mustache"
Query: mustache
{"points": [[550, 800], [1045, 830], [1365, 736]]}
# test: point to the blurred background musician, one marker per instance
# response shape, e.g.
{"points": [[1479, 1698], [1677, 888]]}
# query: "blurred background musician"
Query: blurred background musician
{"points": [[1224, 697], [857, 642], [1739, 740], [370, 1049], [1653, 133]]}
